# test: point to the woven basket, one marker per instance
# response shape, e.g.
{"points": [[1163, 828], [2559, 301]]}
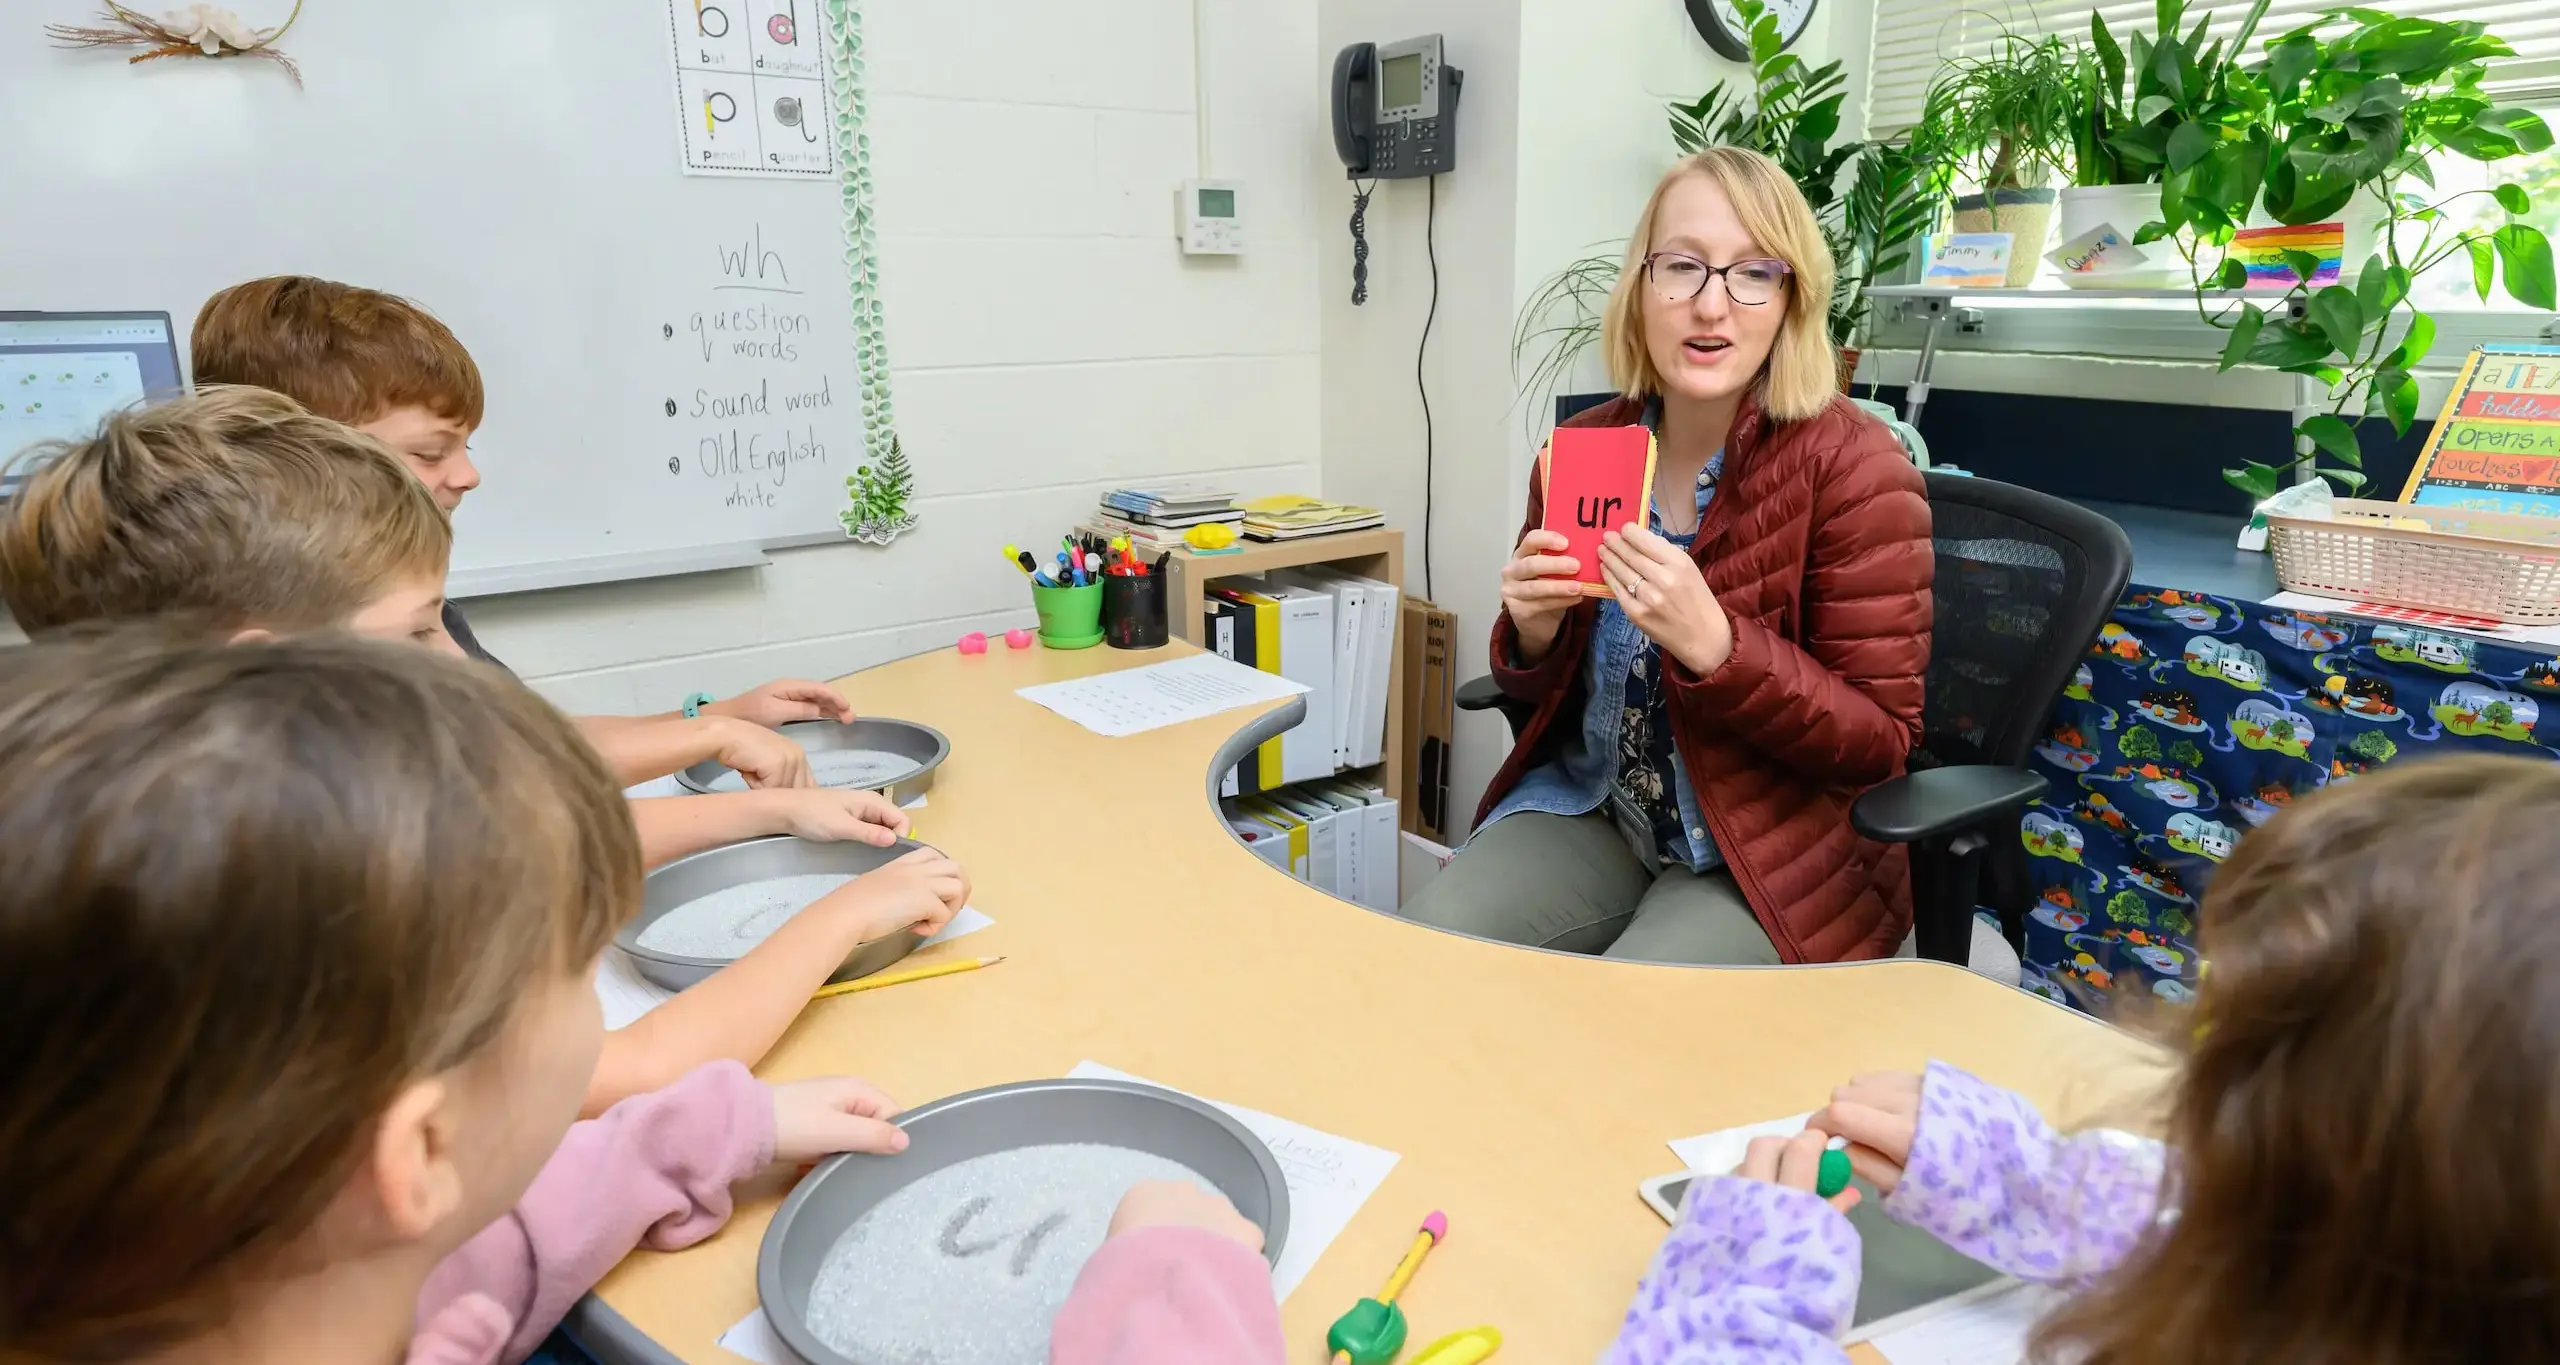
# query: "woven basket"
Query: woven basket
{"points": [[2489, 564]]}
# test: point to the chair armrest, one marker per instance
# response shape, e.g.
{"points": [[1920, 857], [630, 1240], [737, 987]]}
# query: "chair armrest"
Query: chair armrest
{"points": [[1936, 801], [1479, 694]]}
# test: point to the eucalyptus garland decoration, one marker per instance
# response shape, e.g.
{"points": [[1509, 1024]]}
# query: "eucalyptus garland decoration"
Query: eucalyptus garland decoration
{"points": [[863, 519]]}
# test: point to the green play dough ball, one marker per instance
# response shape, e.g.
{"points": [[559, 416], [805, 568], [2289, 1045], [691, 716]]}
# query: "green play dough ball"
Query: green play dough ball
{"points": [[1833, 1175], [1372, 1332]]}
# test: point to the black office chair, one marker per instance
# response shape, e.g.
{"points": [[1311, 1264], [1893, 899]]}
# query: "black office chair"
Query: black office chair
{"points": [[2024, 582]]}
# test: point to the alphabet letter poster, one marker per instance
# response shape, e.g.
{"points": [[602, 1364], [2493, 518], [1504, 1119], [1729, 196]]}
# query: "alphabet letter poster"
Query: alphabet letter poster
{"points": [[2497, 446], [751, 88], [1595, 478]]}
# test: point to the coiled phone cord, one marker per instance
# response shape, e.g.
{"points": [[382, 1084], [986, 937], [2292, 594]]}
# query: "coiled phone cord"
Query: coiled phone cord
{"points": [[1360, 241]]}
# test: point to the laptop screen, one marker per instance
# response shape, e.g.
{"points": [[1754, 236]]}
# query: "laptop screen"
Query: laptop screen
{"points": [[61, 372]]}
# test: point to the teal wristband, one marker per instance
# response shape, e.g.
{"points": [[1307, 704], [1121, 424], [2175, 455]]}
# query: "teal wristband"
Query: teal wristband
{"points": [[693, 704]]}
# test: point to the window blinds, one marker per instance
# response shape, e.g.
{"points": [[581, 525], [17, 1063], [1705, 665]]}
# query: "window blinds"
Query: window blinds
{"points": [[1914, 37]]}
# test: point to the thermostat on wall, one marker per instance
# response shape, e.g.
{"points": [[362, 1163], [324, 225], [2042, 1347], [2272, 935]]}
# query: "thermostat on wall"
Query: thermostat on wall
{"points": [[1210, 216]]}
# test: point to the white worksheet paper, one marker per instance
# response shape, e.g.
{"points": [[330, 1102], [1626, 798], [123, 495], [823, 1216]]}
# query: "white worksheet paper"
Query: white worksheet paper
{"points": [[1986, 1326], [754, 1338], [1139, 699], [627, 994], [1722, 1151], [1329, 1178]]}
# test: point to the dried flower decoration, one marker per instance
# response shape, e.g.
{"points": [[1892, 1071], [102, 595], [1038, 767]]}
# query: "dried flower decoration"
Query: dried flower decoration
{"points": [[192, 31]]}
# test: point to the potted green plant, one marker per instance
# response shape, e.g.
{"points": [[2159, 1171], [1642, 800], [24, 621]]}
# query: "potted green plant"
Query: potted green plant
{"points": [[1791, 112], [2124, 109], [2007, 119], [2356, 103]]}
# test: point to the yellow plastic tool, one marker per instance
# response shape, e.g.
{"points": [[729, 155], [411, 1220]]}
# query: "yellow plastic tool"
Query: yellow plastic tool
{"points": [[1460, 1348]]}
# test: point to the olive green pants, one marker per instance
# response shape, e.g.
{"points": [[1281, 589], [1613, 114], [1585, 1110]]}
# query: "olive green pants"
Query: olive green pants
{"points": [[1570, 882]]}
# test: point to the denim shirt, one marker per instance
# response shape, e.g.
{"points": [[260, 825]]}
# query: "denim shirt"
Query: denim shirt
{"points": [[1576, 781]]}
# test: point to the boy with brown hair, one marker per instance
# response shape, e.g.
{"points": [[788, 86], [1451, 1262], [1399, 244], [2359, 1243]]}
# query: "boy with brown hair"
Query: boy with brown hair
{"points": [[249, 517], [388, 368]]}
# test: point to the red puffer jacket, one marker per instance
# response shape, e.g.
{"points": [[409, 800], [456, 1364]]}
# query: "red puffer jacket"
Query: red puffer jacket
{"points": [[1817, 546]]}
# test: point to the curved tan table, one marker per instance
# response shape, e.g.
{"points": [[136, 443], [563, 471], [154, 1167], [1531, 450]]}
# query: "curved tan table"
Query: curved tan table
{"points": [[1526, 1092]]}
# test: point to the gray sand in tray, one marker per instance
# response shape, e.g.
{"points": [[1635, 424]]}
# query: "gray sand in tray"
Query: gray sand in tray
{"points": [[732, 920], [860, 769], [970, 1264]]}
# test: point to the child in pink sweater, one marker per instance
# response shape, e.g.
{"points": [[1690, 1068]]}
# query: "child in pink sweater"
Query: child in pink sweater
{"points": [[295, 949], [2363, 1155]]}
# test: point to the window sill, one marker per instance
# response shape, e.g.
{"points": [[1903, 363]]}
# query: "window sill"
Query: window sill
{"points": [[2136, 350]]}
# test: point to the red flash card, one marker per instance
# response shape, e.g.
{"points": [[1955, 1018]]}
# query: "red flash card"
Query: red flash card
{"points": [[1595, 479]]}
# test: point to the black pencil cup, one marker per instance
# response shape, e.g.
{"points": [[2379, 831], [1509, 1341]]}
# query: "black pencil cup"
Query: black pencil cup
{"points": [[1133, 611]]}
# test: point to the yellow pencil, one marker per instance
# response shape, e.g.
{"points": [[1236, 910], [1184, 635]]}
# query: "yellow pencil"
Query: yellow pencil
{"points": [[873, 983], [1434, 1228]]}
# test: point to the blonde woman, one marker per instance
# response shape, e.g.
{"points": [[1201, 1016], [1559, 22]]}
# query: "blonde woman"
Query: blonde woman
{"points": [[1682, 793]]}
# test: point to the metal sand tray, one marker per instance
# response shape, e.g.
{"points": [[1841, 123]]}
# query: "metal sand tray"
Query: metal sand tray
{"points": [[984, 1239], [688, 879], [922, 744]]}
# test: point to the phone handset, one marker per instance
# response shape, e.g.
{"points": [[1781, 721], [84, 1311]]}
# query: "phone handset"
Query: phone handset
{"points": [[1355, 106]]}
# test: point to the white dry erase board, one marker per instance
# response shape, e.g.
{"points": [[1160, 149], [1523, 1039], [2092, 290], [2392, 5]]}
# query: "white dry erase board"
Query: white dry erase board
{"points": [[670, 358]]}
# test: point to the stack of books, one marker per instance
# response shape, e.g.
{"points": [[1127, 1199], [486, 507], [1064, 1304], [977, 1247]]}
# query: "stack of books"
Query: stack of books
{"points": [[1154, 517], [1292, 517]]}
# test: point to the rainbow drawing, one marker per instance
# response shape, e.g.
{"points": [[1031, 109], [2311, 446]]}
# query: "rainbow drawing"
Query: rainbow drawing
{"points": [[2262, 251]]}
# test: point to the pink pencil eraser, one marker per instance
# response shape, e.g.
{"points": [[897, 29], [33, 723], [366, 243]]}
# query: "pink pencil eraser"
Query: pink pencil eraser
{"points": [[1017, 639], [975, 642], [1437, 1225]]}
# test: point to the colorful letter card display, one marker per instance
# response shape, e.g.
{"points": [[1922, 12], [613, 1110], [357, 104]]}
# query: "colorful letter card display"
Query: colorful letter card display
{"points": [[1594, 479], [2497, 446]]}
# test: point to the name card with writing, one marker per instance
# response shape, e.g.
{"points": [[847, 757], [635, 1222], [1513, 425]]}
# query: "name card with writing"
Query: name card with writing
{"points": [[2269, 254], [1969, 260], [2100, 251], [2496, 448], [1594, 480]]}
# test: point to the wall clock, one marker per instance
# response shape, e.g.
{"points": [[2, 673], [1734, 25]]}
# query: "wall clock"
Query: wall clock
{"points": [[1722, 27]]}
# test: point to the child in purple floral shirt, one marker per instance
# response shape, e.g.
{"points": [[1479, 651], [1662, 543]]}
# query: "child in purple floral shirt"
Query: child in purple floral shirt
{"points": [[2364, 1154]]}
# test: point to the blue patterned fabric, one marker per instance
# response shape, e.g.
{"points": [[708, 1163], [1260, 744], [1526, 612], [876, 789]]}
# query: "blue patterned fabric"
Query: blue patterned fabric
{"points": [[2194, 720]]}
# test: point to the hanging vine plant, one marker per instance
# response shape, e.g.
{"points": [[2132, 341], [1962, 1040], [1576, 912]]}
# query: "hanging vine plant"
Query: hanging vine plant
{"points": [[882, 451]]}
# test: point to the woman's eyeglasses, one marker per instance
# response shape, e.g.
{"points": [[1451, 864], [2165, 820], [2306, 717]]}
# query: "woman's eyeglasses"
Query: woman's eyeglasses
{"points": [[1678, 278]]}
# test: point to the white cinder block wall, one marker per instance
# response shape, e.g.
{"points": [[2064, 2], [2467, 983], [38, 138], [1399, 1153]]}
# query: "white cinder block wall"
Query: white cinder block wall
{"points": [[1048, 336]]}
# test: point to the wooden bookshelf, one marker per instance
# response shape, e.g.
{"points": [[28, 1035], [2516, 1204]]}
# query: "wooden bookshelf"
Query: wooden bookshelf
{"points": [[1377, 553]]}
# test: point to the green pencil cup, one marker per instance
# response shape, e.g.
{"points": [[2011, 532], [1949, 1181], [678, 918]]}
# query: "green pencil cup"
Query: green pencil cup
{"points": [[1070, 618]]}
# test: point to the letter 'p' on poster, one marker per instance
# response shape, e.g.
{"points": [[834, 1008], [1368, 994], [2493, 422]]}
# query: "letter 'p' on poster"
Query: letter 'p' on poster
{"points": [[1595, 479]]}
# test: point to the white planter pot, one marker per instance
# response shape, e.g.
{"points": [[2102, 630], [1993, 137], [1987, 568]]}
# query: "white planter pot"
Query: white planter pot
{"points": [[2086, 208]]}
